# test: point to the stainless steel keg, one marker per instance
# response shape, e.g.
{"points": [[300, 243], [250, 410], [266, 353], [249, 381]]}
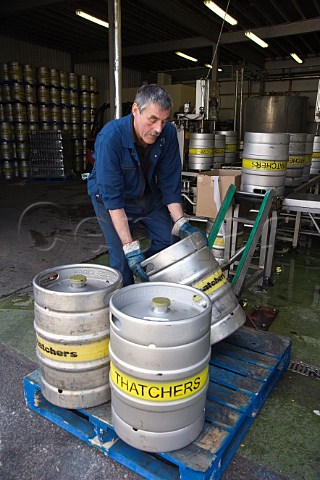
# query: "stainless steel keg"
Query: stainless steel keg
{"points": [[159, 358], [190, 262], [219, 150], [231, 146], [297, 152], [201, 151], [308, 157], [264, 162], [72, 328], [315, 161]]}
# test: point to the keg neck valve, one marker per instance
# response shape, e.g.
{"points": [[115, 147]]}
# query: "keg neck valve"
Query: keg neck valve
{"points": [[160, 304], [78, 281]]}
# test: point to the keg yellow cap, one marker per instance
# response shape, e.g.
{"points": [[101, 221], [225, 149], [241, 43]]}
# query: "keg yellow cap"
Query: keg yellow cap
{"points": [[160, 302], [78, 279]]}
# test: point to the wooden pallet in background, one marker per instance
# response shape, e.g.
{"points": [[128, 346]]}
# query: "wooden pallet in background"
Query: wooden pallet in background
{"points": [[244, 368]]}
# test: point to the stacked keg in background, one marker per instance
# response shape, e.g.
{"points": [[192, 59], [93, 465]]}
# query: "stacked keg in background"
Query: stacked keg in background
{"points": [[315, 160], [308, 158], [297, 153], [265, 161], [42, 99], [230, 146]]}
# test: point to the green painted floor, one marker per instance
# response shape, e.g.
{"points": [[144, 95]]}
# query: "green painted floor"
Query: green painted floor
{"points": [[285, 436]]}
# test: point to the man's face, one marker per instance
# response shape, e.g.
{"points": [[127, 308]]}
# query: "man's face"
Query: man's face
{"points": [[149, 123]]}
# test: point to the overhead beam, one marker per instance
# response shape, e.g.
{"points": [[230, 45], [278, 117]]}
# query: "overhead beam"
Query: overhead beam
{"points": [[282, 30], [15, 6], [285, 29], [171, 45]]}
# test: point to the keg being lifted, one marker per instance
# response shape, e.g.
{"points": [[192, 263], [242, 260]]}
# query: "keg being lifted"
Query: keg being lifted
{"points": [[72, 326], [190, 262], [159, 352]]}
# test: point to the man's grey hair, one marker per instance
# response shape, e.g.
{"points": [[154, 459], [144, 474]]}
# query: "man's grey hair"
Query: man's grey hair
{"points": [[153, 93]]}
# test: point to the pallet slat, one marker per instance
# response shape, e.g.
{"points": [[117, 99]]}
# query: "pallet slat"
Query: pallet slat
{"points": [[243, 370]]}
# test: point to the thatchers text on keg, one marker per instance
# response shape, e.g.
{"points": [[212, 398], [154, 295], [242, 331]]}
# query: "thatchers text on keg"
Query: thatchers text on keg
{"points": [[59, 353]]}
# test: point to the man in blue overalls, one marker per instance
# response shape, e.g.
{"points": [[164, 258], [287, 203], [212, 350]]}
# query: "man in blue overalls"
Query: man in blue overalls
{"points": [[137, 177]]}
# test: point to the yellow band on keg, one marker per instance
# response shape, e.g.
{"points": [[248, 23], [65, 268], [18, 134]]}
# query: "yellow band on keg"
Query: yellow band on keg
{"points": [[158, 391], [298, 160], [307, 159], [219, 242], [210, 284], [264, 165], [219, 150], [231, 147], [200, 151], [73, 353], [316, 155]]}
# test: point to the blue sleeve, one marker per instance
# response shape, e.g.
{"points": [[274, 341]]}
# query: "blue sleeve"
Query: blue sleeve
{"points": [[168, 170], [108, 175]]}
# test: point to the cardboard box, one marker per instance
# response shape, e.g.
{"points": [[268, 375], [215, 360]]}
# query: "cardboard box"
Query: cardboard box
{"points": [[206, 205]]}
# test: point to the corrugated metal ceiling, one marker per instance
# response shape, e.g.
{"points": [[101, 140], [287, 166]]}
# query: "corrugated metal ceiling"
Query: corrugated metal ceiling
{"points": [[151, 31]]}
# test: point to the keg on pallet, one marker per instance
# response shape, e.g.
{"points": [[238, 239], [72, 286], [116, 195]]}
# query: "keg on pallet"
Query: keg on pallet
{"points": [[190, 262], [308, 157], [264, 162], [231, 146], [201, 151], [159, 358], [72, 329], [297, 152], [315, 161], [219, 150]]}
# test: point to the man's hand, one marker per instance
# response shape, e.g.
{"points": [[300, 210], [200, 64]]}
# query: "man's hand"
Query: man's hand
{"points": [[134, 257], [182, 228]]}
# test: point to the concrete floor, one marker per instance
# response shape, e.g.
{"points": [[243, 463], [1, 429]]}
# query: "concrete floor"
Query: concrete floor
{"points": [[47, 224]]}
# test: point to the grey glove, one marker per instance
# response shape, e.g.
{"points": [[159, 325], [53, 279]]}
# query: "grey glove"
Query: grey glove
{"points": [[182, 228]]}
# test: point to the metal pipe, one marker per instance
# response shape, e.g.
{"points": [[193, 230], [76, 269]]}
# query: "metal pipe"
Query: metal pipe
{"points": [[241, 104], [235, 121], [115, 52]]}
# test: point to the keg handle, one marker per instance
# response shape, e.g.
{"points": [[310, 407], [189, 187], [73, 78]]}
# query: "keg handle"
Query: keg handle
{"points": [[115, 321], [46, 279]]}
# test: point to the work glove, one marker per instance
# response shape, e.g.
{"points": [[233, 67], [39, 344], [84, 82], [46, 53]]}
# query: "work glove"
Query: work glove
{"points": [[134, 257], [182, 228]]}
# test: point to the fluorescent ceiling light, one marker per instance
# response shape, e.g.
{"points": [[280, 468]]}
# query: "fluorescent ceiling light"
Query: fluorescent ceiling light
{"points": [[192, 59], [256, 39], [221, 13], [210, 66], [296, 58], [89, 17]]}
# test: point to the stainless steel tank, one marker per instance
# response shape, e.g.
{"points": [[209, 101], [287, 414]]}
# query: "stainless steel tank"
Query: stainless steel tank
{"points": [[230, 147], [201, 151], [71, 311], [264, 162], [190, 262], [159, 353], [275, 114], [219, 150], [297, 152], [315, 161]]}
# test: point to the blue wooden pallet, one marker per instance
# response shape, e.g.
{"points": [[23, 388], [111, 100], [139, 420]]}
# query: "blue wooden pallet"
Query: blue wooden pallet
{"points": [[244, 369]]}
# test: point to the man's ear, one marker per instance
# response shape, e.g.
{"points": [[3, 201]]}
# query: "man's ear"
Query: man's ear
{"points": [[135, 109]]}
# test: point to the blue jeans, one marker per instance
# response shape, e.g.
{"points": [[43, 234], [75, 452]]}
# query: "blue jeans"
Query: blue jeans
{"points": [[156, 221]]}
